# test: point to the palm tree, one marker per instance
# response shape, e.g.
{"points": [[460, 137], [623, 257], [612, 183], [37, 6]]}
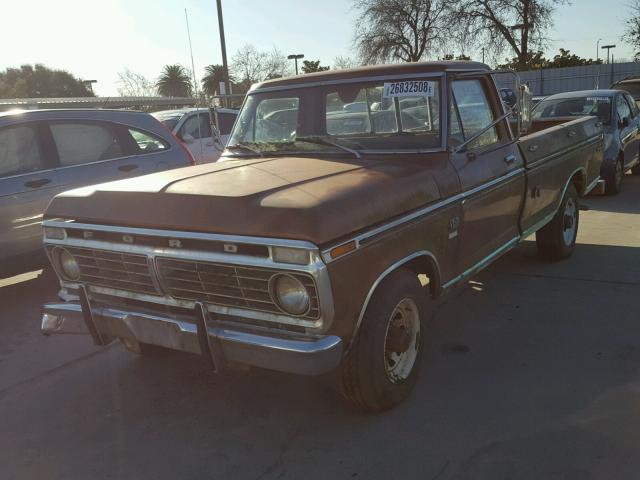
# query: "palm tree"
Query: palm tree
{"points": [[174, 81], [214, 75]]}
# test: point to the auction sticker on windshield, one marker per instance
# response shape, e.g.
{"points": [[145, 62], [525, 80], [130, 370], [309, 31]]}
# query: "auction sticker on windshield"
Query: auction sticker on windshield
{"points": [[411, 88]]}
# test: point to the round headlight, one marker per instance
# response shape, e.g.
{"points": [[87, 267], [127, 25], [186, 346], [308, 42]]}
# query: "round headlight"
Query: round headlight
{"points": [[68, 265], [290, 294]]}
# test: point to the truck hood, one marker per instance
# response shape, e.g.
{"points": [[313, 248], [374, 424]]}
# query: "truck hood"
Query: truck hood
{"points": [[318, 200]]}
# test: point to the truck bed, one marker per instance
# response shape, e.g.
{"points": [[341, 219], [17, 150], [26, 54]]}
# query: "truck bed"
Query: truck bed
{"points": [[562, 150]]}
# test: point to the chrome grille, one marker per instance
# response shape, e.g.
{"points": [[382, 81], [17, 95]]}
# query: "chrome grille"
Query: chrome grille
{"points": [[228, 285], [122, 271]]}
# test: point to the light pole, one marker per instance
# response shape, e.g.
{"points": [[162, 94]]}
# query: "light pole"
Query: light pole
{"points": [[295, 58], [598, 50], [607, 48], [223, 46]]}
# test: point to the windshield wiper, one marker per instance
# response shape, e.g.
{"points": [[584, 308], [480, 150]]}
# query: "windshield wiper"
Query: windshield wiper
{"points": [[245, 147], [325, 141]]}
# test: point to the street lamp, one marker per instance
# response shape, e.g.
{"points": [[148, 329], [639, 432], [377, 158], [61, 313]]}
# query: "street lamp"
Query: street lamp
{"points": [[598, 50], [295, 58], [607, 48]]}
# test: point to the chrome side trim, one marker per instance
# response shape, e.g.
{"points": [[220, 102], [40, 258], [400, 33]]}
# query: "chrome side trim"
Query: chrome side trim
{"points": [[592, 185], [399, 263], [482, 263], [363, 237], [538, 225]]}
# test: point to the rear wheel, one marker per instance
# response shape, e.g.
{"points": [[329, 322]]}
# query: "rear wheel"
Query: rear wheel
{"points": [[381, 368], [557, 239], [613, 174]]}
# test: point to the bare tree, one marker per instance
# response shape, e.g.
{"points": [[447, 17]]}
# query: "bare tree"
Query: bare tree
{"points": [[632, 30], [341, 63], [132, 84], [401, 30], [497, 25], [250, 65]]}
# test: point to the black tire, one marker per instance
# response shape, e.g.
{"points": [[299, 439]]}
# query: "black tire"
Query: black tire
{"points": [[551, 239], [613, 174], [363, 376]]}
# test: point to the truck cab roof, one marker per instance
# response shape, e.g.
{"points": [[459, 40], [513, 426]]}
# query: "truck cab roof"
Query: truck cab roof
{"points": [[400, 69]]}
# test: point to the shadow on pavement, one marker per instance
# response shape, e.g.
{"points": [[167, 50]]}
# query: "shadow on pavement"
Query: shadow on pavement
{"points": [[627, 201], [547, 350]]}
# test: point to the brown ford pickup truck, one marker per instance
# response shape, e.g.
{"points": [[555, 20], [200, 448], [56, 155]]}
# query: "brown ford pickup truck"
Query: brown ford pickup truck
{"points": [[345, 202]]}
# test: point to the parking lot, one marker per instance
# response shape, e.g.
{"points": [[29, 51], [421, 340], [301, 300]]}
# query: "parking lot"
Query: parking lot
{"points": [[533, 372]]}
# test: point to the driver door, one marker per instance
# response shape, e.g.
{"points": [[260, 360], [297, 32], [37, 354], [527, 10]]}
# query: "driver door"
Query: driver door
{"points": [[490, 170], [196, 133]]}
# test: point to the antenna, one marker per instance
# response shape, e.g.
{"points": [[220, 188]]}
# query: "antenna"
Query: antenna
{"points": [[193, 68]]}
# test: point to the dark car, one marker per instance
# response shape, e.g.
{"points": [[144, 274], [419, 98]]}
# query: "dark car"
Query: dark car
{"points": [[620, 118], [46, 152]]}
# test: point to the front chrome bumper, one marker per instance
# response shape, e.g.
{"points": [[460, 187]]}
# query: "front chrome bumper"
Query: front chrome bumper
{"points": [[304, 356]]}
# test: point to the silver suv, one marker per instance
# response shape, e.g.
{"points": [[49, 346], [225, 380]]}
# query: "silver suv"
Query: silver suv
{"points": [[45, 152]]}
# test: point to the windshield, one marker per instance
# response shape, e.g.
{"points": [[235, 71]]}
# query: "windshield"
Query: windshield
{"points": [[169, 119], [403, 115], [574, 107]]}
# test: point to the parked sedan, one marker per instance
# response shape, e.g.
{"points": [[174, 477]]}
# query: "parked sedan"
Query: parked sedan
{"points": [[45, 152], [620, 117], [193, 127]]}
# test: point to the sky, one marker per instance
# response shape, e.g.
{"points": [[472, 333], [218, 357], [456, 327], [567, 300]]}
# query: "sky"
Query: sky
{"points": [[98, 39]]}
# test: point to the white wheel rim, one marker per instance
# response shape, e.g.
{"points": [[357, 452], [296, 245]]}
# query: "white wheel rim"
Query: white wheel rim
{"points": [[405, 319], [569, 224]]}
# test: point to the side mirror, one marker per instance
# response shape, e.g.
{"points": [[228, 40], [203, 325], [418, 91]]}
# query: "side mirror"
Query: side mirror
{"points": [[186, 138], [524, 109]]}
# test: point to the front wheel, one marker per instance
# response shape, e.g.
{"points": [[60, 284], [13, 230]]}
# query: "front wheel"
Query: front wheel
{"points": [[381, 368], [613, 174], [557, 239]]}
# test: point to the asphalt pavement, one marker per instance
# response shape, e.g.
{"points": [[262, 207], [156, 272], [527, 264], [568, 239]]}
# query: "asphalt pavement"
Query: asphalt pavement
{"points": [[532, 372]]}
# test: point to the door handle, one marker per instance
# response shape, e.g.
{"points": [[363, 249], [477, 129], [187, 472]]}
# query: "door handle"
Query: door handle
{"points": [[510, 159], [37, 183], [471, 156], [572, 133], [127, 168]]}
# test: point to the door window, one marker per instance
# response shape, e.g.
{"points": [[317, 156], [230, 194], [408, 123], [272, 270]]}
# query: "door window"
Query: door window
{"points": [[475, 112], [147, 142], [632, 104], [624, 111], [85, 142], [19, 151], [197, 126], [226, 122]]}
